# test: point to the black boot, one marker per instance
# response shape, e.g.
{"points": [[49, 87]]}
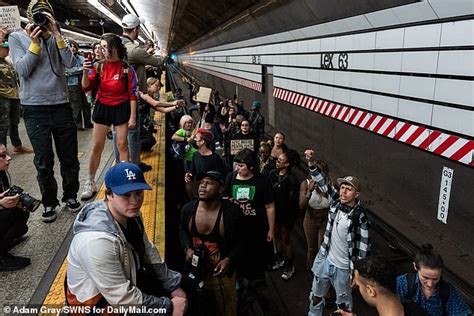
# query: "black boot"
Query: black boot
{"points": [[9, 262]]}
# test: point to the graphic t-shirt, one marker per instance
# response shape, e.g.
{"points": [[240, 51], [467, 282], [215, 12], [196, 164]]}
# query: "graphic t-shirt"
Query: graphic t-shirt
{"points": [[191, 150], [251, 196]]}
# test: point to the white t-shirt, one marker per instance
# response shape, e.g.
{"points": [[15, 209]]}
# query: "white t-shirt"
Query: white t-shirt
{"points": [[338, 247]]}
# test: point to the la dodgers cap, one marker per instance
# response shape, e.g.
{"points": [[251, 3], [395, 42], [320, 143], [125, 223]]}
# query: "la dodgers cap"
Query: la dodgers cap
{"points": [[125, 177]]}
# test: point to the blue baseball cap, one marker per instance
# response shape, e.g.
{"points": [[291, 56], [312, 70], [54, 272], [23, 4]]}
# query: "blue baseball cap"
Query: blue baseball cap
{"points": [[125, 177], [256, 104]]}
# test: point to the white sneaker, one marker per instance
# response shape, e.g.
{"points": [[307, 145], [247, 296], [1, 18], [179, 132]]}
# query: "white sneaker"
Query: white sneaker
{"points": [[90, 188]]}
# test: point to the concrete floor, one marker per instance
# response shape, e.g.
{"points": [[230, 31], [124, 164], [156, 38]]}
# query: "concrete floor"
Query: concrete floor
{"points": [[43, 240]]}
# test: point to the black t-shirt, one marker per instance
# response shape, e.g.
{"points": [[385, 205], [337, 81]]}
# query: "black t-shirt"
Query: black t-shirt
{"points": [[412, 309], [202, 163], [251, 196], [251, 144], [134, 235], [287, 190]]}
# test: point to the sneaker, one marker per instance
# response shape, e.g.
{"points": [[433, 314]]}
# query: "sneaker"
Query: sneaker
{"points": [[9, 262], [18, 150], [90, 188], [73, 205], [288, 273], [49, 214], [279, 263]]}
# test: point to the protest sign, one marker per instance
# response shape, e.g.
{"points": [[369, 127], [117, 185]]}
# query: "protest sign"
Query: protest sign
{"points": [[10, 17], [204, 95]]}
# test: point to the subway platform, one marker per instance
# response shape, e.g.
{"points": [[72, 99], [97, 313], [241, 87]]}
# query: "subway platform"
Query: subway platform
{"points": [[41, 283]]}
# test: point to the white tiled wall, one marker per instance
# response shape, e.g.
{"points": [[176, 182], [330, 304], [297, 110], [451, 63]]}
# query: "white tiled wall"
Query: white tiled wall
{"points": [[459, 33], [422, 36], [424, 62], [385, 105], [455, 91], [415, 111], [458, 120], [388, 61], [386, 83], [390, 38], [417, 87], [454, 61]]}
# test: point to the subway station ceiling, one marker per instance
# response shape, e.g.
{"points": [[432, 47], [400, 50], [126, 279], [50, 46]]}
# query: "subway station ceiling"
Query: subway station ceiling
{"points": [[180, 24]]}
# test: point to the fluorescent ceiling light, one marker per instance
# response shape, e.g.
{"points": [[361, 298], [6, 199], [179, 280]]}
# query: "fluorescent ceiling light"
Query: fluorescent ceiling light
{"points": [[105, 11], [67, 32]]}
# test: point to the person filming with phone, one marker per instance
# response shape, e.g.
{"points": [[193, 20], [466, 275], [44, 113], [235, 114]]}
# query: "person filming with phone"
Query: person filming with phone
{"points": [[40, 56]]}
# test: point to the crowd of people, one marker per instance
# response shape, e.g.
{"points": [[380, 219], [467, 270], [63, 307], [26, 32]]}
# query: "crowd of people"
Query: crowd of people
{"points": [[229, 162], [243, 194]]}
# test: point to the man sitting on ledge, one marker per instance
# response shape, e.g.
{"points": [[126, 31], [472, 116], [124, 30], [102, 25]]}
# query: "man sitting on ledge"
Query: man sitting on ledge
{"points": [[111, 260]]}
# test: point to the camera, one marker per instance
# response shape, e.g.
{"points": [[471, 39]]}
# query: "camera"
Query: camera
{"points": [[40, 19], [197, 265], [29, 203]]}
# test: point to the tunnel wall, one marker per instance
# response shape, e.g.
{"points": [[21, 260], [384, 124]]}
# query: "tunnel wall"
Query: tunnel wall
{"points": [[406, 115]]}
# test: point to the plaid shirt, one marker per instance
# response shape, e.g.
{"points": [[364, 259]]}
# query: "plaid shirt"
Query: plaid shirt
{"points": [[358, 239]]}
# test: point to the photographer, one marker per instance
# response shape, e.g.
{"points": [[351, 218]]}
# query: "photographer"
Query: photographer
{"points": [[40, 55], [12, 219]]}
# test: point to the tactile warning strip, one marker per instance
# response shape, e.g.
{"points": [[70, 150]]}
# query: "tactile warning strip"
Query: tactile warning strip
{"points": [[152, 210]]}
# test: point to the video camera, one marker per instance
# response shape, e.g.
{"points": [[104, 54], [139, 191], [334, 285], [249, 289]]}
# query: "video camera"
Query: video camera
{"points": [[29, 203], [193, 280]]}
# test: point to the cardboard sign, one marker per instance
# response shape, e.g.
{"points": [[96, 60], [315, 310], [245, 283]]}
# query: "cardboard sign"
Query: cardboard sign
{"points": [[204, 95], [237, 145], [10, 18]]}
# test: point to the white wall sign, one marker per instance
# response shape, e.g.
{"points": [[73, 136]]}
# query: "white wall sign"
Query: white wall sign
{"points": [[10, 17], [444, 194]]}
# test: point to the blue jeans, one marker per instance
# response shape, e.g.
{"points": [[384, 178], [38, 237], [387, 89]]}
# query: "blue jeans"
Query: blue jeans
{"points": [[45, 123], [325, 274], [134, 144]]}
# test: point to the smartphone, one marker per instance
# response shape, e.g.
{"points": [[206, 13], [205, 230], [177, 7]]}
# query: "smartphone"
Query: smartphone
{"points": [[88, 56]]}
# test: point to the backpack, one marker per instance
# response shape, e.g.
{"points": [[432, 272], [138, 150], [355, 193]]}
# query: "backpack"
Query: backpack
{"points": [[443, 291]]}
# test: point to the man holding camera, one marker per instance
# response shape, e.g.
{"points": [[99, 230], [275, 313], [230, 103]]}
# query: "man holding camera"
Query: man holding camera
{"points": [[346, 240], [13, 219], [40, 55], [209, 234]]}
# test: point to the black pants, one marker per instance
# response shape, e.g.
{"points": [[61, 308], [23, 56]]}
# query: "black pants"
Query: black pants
{"points": [[12, 226], [80, 107], [45, 123]]}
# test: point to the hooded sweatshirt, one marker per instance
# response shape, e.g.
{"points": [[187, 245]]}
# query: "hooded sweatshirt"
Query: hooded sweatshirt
{"points": [[103, 264], [41, 69]]}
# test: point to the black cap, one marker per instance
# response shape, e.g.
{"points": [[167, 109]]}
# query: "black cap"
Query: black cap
{"points": [[215, 175]]}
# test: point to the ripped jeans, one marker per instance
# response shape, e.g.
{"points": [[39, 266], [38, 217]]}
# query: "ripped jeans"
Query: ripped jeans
{"points": [[325, 274]]}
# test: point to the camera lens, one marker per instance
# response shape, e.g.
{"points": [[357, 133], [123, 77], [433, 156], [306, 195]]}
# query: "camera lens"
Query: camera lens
{"points": [[40, 19]]}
